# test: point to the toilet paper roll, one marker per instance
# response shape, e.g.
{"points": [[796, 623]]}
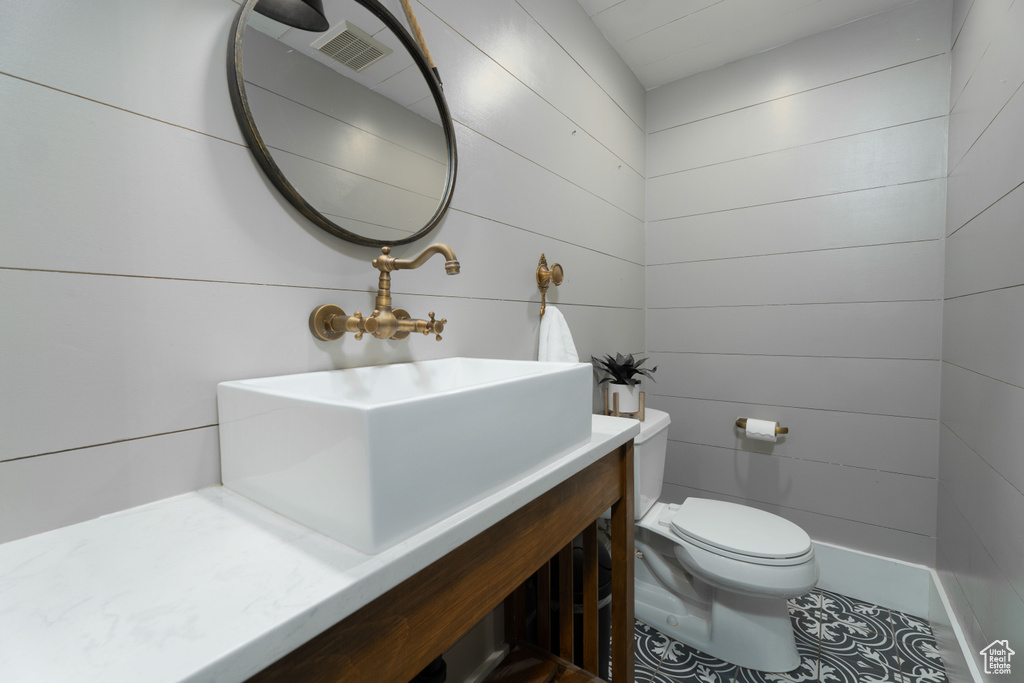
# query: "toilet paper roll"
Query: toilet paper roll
{"points": [[762, 430]]}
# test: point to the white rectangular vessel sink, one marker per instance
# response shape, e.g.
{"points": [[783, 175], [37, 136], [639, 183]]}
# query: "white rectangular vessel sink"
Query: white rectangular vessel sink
{"points": [[370, 456]]}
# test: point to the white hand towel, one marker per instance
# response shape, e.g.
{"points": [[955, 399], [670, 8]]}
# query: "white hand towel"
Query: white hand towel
{"points": [[555, 338]]}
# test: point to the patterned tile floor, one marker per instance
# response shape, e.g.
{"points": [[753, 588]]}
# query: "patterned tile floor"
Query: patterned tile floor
{"points": [[840, 640]]}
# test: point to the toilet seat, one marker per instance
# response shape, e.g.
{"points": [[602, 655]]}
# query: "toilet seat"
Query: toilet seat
{"points": [[749, 559], [746, 574], [738, 532]]}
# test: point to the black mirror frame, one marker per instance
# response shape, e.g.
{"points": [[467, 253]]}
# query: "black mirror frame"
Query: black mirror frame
{"points": [[240, 103]]}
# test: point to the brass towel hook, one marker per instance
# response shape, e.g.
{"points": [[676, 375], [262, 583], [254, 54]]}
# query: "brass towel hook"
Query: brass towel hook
{"points": [[546, 277]]}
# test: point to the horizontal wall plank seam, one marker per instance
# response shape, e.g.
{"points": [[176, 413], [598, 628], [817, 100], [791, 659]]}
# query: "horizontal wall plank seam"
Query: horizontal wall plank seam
{"points": [[542, 98], [110, 443], [569, 54], [813, 512], [646, 32], [548, 170], [314, 287], [796, 199], [510, 300], [239, 144], [982, 133], [327, 114], [794, 457], [549, 237], [980, 58], [183, 279], [787, 355], [805, 145], [963, 25], [981, 457], [320, 162], [563, 304], [122, 109], [800, 303], [783, 405], [954, 101], [983, 291], [982, 212], [796, 251], [977, 538], [982, 374], [578, 126], [799, 92]]}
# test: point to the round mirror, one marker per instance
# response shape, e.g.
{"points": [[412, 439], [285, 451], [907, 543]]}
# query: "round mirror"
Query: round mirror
{"points": [[350, 124]]}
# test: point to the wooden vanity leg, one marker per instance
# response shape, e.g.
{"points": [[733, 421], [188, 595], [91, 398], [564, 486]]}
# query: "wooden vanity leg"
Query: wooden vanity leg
{"points": [[515, 615], [590, 597], [565, 603], [544, 607], [623, 657]]}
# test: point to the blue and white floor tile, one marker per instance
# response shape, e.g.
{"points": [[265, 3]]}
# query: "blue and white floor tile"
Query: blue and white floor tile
{"points": [[839, 639], [919, 653], [650, 646], [683, 663], [856, 641]]}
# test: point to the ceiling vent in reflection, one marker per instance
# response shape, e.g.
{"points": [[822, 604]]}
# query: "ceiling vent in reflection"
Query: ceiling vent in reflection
{"points": [[351, 46]]}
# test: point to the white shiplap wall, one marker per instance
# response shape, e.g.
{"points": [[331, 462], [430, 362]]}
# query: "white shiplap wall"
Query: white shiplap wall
{"points": [[795, 252], [144, 258], [981, 466]]}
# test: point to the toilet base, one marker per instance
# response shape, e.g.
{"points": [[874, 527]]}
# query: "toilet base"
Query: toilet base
{"points": [[755, 633]]}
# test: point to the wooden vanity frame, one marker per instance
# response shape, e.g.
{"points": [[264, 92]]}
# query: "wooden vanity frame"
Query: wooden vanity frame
{"points": [[398, 634]]}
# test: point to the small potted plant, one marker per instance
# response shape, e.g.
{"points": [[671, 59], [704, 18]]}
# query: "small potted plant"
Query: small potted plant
{"points": [[623, 372]]}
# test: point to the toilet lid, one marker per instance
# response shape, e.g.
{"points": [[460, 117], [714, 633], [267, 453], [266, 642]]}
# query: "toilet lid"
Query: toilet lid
{"points": [[739, 529]]}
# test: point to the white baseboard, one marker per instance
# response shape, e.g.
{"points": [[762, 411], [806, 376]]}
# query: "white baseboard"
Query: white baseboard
{"points": [[872, 578], [956, 654], [911, 588]]}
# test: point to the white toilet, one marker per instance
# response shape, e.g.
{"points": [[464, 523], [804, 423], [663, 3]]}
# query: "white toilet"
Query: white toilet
{"points": [[716, 575]]}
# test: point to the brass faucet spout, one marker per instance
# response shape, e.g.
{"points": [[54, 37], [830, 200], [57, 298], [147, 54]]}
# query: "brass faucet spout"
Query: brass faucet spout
{"points": [[385, 263]]}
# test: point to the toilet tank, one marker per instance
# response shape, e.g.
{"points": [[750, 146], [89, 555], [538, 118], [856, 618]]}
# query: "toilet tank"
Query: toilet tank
{"points": [[649, 460]]}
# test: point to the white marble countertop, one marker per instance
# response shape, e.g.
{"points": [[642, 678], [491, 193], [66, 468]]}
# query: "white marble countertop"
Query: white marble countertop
{"points": [[209, 586]]}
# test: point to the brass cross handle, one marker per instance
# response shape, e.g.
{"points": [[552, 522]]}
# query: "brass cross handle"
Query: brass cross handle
{"points": [[434, 326]]}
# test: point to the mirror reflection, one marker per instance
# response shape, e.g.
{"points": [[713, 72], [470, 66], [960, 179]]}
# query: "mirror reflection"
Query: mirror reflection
{"points": [[350, 122]]}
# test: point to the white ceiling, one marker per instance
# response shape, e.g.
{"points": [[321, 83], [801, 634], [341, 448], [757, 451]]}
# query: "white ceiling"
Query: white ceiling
{"points": [[665, 40]]}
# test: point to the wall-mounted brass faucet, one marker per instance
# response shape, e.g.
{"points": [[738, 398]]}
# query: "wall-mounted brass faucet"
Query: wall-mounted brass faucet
{"points": [[330, 322]]}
